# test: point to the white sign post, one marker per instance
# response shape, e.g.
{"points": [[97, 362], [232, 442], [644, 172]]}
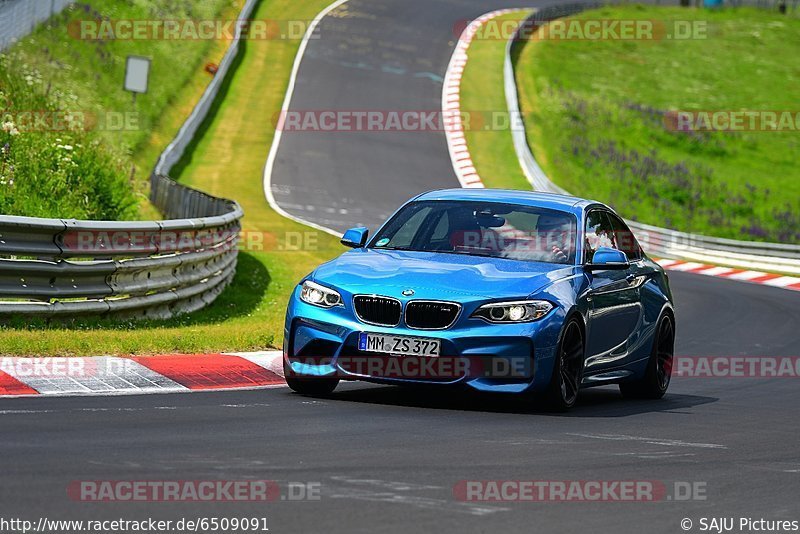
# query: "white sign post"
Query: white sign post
{"points": [[137, 74]]}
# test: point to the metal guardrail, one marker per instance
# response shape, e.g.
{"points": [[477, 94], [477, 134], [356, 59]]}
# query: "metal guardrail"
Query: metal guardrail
{"points": [[146, 269], [662, 242], [128, 269]]}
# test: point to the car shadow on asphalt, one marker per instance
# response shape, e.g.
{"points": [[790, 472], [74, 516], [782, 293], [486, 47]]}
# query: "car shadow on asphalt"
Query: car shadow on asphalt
{"points": [[600, 402]]}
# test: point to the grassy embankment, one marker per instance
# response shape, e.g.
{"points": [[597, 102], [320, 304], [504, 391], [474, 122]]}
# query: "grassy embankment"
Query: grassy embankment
{"points": [[596, 115], [71, 68], [228, 160]]}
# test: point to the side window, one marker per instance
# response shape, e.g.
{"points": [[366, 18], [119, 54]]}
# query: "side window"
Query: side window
{"points": [[625, 239], [598, 233]]}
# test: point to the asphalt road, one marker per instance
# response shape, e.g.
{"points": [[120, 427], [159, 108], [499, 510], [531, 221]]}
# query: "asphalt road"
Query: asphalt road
{"points": [[387, 55], [386, 459]]}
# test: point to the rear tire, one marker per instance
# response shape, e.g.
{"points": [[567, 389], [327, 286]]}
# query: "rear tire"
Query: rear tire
{"points": [[657, 376], [310, 385], [562, 392]]}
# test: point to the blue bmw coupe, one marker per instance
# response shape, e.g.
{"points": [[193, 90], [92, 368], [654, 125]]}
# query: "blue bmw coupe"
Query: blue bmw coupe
{"points": [[501, 291]]}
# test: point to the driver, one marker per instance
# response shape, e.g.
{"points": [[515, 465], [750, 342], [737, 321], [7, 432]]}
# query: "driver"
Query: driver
{"points": [[555, 235]]}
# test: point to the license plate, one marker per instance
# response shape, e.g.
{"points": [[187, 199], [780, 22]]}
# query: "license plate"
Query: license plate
{"points": [[404, 345]]}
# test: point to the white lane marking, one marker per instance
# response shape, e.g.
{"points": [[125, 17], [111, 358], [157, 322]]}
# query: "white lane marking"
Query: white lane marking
{"points": [[121, 376], [688, 266], [404, 493], [782, 281], [746, 275], [15, 412], [271, 360], [425, 503], [715, 271], [131, 409], [774, 280], [667, 263], [100, 374], [655, 455], [249, 405], [287, 100], [528, 442], [154, 391], [18, 412], [397, 486], [667, 442]]}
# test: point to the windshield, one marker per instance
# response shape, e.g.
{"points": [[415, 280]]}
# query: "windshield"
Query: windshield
{"points": [[481, 229]]}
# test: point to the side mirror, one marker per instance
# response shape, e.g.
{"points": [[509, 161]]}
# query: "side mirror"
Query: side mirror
{"points": [[355, 237], [607, 259]]}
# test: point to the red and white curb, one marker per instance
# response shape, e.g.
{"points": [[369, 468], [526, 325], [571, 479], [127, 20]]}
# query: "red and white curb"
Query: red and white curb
{"points": [[176, 373], [451, 103], [112, 375], [741, 275]]}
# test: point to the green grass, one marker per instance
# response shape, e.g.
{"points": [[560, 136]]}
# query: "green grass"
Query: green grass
{"points": [[595, 121], [85, 76], [228, 160], [492, 150], [45, 173]]}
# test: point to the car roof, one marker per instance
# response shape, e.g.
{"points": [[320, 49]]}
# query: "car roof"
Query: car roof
{"points": [[538, 199]]}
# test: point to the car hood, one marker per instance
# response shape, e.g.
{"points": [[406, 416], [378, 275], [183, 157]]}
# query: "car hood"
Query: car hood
{"points": [[436, 275]]}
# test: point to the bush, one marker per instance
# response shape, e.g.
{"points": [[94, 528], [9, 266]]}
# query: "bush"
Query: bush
{"points": [[98, 167], [61, 171]]}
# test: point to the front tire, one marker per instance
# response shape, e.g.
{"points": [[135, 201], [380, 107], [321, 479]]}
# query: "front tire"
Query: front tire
{"points": [[562, 392], [657, 376], [308, 386]]}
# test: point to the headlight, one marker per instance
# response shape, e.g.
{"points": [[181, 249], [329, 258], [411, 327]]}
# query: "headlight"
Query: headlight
{"points": [[318, 295], [523, 311]]}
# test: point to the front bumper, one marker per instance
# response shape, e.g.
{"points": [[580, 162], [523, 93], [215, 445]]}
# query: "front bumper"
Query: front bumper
{"points": [[488, 357]]}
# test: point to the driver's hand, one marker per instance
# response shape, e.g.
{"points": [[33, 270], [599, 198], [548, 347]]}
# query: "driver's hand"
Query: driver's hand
{"points": [[558, 254]]}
